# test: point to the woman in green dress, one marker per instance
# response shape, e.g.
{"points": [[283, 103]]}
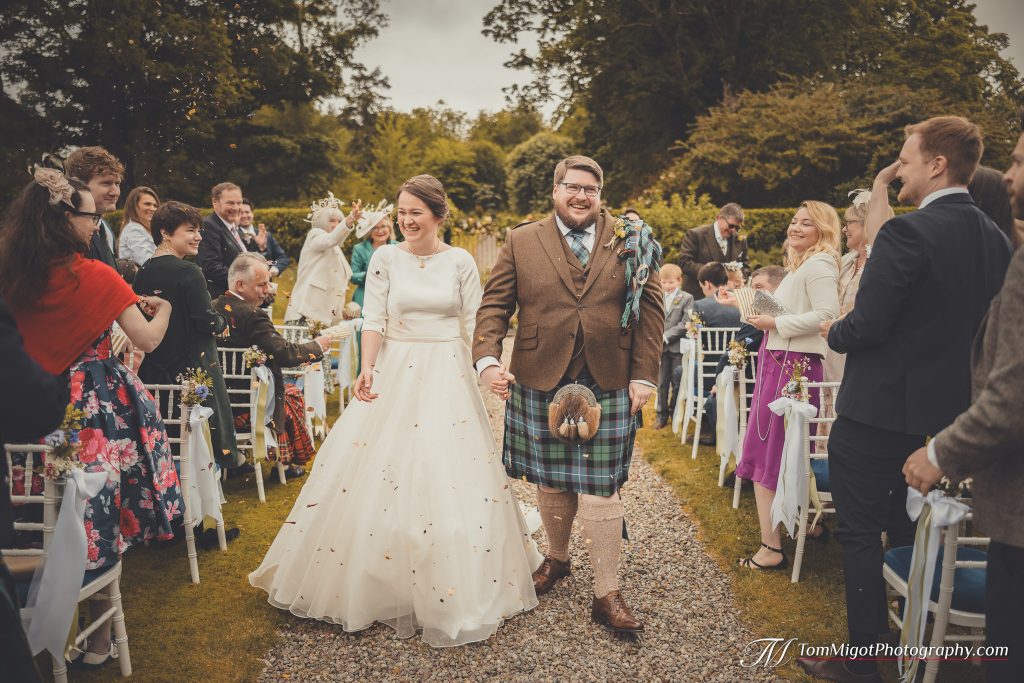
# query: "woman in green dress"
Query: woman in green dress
{"points": [[378, 224], [190, 341]]}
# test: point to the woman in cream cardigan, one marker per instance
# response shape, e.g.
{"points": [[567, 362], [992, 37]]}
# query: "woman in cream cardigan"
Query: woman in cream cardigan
{"points": [[323, 274], [810, 295]]}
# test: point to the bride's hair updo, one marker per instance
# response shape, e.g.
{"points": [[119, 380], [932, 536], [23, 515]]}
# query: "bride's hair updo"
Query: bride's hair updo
{"points": [[430, 190]]}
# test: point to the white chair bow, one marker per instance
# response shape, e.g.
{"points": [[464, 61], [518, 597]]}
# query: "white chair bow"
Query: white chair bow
{"points": [[58, 581], [727, 429], [261, 410], [932, 512], [205, 492], [313, 390], [683, 412], [791, 490]]}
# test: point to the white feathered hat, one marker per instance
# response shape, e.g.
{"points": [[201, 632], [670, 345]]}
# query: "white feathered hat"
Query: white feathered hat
{"points": [[371, 217]]}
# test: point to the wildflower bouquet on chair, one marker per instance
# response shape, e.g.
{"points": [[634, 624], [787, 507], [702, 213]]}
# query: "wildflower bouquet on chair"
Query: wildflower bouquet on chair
{"points": [[253, 356], [196, 385], [796, 387], [693, 325], [316, 328], [65, 444], [738, 354]]}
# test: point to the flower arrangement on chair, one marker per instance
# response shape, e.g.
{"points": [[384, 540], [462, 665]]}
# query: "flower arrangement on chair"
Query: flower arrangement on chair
{"points": [[196, 385], [693, 325], [738, 354], [253, 356], [796, 387], [65, 444]]}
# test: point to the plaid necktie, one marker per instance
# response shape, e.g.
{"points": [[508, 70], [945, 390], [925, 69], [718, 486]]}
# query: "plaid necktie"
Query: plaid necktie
{"points": [[576, 238]]}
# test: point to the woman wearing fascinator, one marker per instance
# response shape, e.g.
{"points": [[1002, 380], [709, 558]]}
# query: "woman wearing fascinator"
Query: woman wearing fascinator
{"points": [[858, 247], [407, 518], [376, 227], [64, 305], [323, 272]]}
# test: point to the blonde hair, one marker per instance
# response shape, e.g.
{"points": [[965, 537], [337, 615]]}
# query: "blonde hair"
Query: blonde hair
{"points": [[826, 220], [671, 270], [858, 210]]}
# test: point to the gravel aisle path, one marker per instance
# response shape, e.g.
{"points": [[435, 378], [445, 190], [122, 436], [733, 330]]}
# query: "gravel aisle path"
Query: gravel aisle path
{"points": [[693, 630]]}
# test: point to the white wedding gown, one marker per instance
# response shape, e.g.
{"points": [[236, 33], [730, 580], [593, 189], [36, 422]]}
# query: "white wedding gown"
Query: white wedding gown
{"points": [[407, 517]]}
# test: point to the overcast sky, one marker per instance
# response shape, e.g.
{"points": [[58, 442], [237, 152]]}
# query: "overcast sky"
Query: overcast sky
{"points": [[433, 49]]}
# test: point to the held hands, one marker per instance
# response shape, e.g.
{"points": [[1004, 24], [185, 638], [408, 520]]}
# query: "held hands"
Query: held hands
{"points": [[364, 386], [498, 379], [825, 327], [920, 473], [355, 214], [325, 341]]}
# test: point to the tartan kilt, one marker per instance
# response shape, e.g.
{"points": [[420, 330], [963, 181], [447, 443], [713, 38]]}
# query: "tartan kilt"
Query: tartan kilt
{"points": [[599, 467]]}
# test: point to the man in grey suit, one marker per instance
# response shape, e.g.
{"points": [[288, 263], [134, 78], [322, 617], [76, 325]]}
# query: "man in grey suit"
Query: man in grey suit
{"points": [[717, 242], [678, 305], [986, 442]]}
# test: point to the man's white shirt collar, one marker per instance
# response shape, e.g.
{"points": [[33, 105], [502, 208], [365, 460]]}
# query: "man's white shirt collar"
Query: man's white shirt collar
{"points": [[944, 192], [590, 229]]}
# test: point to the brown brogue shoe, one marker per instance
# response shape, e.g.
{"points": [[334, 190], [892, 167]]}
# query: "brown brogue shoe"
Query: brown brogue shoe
{"points": [[614, 614], [549, 573]]}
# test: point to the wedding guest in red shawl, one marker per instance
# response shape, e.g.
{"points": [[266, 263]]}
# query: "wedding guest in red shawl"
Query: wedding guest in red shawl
{"points": [[64, 305]]}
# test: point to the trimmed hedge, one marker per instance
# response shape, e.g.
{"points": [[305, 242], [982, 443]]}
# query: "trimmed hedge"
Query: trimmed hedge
{"points": [[765, 228]]}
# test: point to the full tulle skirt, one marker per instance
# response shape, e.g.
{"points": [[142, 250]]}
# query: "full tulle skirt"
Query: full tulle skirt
{"points": [[408, 518]]}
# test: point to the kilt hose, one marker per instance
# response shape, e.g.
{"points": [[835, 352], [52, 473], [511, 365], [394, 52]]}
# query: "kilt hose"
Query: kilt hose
{"points": [[599, 467]]}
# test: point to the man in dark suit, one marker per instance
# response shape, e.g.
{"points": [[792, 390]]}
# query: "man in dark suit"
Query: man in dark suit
{"points": [[987, 444], [249, 325], [222, 239], [717, 242], [101, 172], [32, 407], [931, 276]]}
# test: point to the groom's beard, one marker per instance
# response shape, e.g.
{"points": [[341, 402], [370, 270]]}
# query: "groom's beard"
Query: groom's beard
{"points": [[573, 224]]}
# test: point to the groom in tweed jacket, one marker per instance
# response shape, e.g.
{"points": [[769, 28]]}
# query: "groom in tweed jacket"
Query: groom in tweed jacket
{"points": [[569, 286]]}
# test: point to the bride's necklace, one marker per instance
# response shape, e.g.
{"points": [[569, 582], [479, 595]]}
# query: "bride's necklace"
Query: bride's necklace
{"points": [[423, 259]]}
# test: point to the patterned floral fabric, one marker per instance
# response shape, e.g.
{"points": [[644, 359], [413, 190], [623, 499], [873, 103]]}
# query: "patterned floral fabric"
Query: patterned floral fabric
{"points": [[124, 437]]}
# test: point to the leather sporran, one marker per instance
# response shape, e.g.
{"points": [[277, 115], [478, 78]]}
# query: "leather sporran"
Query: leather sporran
{"points": [[574, 414]]}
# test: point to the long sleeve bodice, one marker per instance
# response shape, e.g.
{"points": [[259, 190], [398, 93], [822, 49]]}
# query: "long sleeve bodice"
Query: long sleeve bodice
{"points": [[434, 303], [811, 295]]}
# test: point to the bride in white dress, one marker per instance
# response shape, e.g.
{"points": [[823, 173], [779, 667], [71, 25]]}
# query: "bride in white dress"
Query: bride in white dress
{"points": [[407, 517]]}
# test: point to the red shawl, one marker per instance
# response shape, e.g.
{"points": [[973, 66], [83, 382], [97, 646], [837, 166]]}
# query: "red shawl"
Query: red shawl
{"points": [[78, 304]]}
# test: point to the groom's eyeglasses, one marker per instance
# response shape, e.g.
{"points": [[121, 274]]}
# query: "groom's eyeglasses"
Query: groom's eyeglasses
{"points": [[96, 217], [588, 190]]}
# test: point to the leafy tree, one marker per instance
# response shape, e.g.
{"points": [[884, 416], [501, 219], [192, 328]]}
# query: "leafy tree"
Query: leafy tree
{"points": [[811, 140], [393, 159], [508, 127], [530, 167], [167, 85], [452, 162], [489, 175], [684, 56]]}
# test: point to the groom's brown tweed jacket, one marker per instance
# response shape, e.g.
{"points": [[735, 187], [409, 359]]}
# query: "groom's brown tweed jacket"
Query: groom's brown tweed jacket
{"points": [[558, 301]]}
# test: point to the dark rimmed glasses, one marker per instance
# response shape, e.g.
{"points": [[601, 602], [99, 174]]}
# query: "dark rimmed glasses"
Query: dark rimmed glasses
{"points": [[96, 217], [574, 189]]}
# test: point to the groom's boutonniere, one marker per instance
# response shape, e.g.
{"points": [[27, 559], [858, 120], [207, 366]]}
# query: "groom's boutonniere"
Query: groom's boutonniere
{"points": [[619, 231]]}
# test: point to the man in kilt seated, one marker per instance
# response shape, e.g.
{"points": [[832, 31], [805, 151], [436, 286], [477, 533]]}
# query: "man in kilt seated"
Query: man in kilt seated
{"points": [[249, 325], [590, 318]]}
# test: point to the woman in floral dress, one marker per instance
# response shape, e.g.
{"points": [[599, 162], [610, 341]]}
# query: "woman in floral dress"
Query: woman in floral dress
{"points": [[64, 305]]}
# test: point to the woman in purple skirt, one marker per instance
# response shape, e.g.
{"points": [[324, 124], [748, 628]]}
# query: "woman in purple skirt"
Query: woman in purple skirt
{"points": [[810, 295]]}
